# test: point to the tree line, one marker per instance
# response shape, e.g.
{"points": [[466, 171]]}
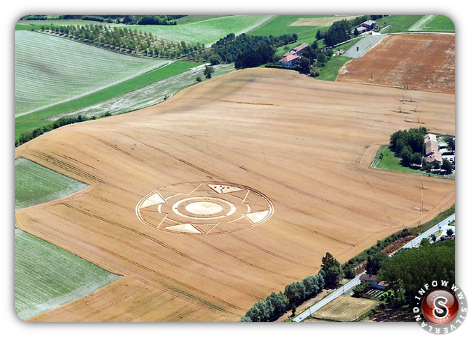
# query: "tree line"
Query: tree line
{"points": [[130, 41], [128, 19], [27, 136], [330, 274], [277, 304]]}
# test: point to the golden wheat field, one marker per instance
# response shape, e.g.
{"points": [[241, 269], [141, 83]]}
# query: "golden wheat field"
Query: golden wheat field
{"points": [[232, 189]]}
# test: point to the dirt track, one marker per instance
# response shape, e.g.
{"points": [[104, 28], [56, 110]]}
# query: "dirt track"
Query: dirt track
{"points": [[303, 143]]}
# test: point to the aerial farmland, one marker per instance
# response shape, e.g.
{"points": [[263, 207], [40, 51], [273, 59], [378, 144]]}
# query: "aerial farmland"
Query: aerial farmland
{"points": [[169, 169]]}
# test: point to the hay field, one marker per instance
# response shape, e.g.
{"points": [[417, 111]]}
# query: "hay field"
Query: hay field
{"points": [[304, 144]]}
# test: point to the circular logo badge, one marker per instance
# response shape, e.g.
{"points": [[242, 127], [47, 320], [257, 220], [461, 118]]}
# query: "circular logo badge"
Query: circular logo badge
{"points": [[440, 307], [206, 208]]}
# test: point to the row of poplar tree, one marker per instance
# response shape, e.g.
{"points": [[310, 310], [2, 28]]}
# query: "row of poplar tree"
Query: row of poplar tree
{"points": [[277, 304]]}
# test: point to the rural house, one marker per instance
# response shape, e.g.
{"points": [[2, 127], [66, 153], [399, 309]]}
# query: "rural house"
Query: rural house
{"points": [[289, 60], [297, 50], [432, 149], [366, 26], [369, 24], [373, 281]]}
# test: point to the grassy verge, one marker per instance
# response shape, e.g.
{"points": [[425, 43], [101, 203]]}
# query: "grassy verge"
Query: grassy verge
{"points": [[398, 23]]}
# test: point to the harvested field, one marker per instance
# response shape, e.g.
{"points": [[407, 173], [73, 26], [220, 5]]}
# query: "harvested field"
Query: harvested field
{"points": [[413, 61], [259, 141]]}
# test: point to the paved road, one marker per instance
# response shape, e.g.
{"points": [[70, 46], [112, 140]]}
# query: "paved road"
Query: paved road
{"points": [[363, 45], [355, 281]]}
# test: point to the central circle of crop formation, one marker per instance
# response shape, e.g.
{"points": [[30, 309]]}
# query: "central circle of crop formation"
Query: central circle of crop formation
{"points": [[204, 208]]}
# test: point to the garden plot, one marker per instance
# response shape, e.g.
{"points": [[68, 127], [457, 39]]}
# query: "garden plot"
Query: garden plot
{"points": [[50, 70]]}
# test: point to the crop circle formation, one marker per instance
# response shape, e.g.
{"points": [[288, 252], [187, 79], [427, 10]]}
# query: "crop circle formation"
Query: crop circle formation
{"points": [[204, 208]]}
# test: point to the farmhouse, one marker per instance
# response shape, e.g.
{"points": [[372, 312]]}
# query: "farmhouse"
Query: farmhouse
{"points": [[373, 281], [432, 149], [289, 60], [369, 24], [365, 26], [297, 50]]}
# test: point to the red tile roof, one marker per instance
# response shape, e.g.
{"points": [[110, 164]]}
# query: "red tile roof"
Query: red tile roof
{"points": [[289, 58]]}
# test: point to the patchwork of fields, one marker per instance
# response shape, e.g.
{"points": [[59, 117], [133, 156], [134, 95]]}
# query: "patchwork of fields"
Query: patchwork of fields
{"points": [[50, 70], [47, 276], [246, 128]]}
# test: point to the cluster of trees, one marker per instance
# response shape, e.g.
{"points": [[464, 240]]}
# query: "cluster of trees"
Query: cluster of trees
{"points": [[246, 50], [408, 145], [130, 41], [128, 19], [409, 269], [275, 305], [313, 58], [255, 57], [340, 31], [34, 17]]}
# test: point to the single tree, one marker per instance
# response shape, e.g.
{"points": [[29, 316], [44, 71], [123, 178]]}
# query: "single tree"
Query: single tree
{"points": [[447, 165], [331, 270], [208, 71], [449, 231]]}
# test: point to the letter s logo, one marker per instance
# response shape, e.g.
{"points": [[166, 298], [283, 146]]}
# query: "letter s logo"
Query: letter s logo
{"points": [[440, 310]]}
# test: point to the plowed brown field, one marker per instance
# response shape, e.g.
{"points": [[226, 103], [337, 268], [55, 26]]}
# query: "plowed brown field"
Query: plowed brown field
{"points": [[304, 144], [412, 61]]}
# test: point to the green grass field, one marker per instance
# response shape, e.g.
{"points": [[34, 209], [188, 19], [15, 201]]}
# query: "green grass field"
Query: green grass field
{"points": [[330, 71], [196, 18], [29, 122], [35, 184], [207, 31], [440, 23], [49, 70], [398, 23], [282, 25], [47, 276]]}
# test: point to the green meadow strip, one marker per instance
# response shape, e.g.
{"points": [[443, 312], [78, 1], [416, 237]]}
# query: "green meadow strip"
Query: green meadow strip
{"points": [[27, 123]]}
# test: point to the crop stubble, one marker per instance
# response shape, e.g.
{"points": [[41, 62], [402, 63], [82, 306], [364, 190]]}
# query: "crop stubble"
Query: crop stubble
{"points": [[305, 144], [412, 61]]}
